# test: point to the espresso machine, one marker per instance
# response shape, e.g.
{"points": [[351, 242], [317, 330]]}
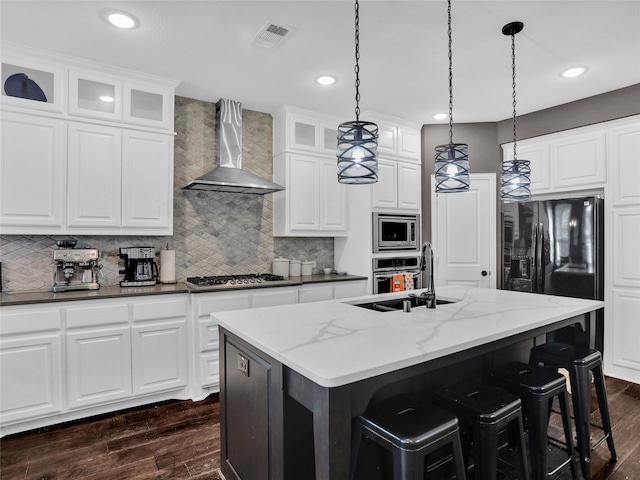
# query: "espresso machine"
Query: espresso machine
{"points": [[76, 268], [140, 268]]}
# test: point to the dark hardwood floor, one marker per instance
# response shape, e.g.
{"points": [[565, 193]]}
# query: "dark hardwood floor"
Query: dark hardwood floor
{"points": [[181, 440]]}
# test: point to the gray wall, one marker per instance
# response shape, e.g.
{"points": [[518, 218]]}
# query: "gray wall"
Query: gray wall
{"points": [[215, 233]]}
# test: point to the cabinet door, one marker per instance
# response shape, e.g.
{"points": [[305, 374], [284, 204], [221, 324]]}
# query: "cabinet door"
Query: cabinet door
{"points": [[579, 161], [409, 143], [303, 133], [95, 95], [147, 182], [148, 106], [538, 155], [159, 356], [329, 138], [409, 189], [303, 193], [94, 176], [333, 198], [31, 376], [159, 344], [48, 77], [387, 140], [623, 152], [32, 174], [385, 191], [98, 366]]}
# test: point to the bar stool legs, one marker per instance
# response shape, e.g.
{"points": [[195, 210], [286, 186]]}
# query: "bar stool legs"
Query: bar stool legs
{"points": [[537, 387], [486, 411], [580, 362]]}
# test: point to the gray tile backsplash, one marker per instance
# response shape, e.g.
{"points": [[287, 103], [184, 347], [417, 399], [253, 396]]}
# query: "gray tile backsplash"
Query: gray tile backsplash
{"points": [[214, 233]]}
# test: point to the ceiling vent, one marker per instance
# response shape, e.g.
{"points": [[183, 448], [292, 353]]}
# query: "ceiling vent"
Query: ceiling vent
{"points": [[271, 36]]}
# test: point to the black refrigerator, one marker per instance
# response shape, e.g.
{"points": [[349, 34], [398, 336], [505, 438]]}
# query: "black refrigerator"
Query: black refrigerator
{"points": [[555, 247]]}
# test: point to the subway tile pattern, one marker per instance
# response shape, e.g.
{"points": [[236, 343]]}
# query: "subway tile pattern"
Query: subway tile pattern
{"points": [[214, 233]]}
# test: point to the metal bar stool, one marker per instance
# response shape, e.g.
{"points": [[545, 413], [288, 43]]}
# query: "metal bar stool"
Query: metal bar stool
{"points": [[537, 387], [580, 362], [410, 429], [485, 410]]}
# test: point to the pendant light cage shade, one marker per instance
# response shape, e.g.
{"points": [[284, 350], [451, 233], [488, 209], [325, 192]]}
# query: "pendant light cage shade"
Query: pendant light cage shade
{"points": [[452, 168], [515, 182], [357, 152]]}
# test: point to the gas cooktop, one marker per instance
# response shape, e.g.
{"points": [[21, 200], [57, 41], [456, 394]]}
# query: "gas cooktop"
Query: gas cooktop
{"points": [[237, 281]]}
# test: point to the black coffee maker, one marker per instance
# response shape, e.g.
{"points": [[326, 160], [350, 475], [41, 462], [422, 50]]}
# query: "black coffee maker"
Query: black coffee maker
{"points": [[140, 268]]}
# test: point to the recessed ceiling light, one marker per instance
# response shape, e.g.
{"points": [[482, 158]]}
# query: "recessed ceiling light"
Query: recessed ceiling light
{"points": [[441, 116], [326, 80], [121, 20], [574, 72]]}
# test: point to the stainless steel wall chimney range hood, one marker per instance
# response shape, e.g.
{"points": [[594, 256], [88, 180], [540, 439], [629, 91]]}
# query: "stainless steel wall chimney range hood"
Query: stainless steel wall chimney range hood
{"points": [[228, 175]]}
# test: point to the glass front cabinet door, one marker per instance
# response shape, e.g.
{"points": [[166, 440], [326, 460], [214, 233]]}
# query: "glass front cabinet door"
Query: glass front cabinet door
{"points": [[95, 95], [32, 84], [148, 106]]}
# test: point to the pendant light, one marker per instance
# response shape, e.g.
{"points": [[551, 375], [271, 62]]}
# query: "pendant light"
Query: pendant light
{"points": [[514, 176], [452, 159], [357, 140]]}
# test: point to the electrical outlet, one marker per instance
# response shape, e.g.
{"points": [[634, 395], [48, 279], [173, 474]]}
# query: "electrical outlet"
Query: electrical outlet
{"points": [[243, 364]]}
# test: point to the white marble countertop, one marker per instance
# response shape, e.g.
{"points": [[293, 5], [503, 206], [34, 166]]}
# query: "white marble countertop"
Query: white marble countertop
{"points": [[334, 343]]}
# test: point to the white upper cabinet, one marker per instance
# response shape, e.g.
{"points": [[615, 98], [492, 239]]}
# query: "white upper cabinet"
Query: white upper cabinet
{"points": [[94, 182], [32, 82], [303, 131], [564, 161], [95, 95], [398, 186], [313, 202], [623, 144], [96, 144], [396, 138], [32, 173]]}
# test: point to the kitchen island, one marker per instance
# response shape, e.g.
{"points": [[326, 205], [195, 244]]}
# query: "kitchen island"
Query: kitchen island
{"points": [[330, 358]]}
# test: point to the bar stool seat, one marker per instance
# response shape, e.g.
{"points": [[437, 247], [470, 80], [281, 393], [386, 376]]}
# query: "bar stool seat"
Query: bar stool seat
{"points": [[483, 411], [537, 387], [580, 362], [410, 429]]}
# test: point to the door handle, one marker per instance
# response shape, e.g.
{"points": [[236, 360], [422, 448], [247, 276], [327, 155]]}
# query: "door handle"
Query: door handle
{"points": [[484, 273]]}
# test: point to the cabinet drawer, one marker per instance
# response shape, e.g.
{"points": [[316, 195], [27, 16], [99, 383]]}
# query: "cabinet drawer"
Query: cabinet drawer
{"points": [[28, 321], [155, 310], [94, 316], [209, 370], [209, 339]]}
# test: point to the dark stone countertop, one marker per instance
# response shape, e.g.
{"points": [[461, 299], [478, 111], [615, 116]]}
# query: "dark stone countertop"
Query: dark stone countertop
{"points": [[115, 291]]}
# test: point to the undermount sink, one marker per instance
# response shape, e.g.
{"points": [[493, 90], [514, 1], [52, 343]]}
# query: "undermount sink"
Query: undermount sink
{"points": [[397, 303]]}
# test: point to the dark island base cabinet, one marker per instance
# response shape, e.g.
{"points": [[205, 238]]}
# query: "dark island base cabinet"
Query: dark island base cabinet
{"points": [[250, 406]]}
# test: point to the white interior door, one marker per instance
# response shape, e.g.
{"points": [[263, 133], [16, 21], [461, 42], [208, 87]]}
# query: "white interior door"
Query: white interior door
{"points": [[463, 230]]}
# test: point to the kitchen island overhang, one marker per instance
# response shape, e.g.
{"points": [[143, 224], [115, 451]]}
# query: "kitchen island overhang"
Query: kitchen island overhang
{"points": [[332, 356]]}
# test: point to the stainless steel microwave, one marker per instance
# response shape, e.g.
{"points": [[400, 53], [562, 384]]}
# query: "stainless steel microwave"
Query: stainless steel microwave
{"points": [[393, 232]]}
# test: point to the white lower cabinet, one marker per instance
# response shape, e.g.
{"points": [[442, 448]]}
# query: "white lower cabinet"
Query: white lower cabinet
{"points": [[30, 364], [98, 366], [317, 292], [159, 345]]}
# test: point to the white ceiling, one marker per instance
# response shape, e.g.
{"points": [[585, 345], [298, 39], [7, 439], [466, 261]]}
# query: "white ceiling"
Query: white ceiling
{"points": [[403, 46]]}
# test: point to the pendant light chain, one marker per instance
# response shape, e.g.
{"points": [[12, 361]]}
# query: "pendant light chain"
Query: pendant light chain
{"points": [[357, 67], [450, 75], [513, 86]]}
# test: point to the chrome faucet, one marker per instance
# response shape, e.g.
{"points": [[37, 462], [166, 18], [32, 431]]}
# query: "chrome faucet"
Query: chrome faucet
{"points": [[430, 294]]}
